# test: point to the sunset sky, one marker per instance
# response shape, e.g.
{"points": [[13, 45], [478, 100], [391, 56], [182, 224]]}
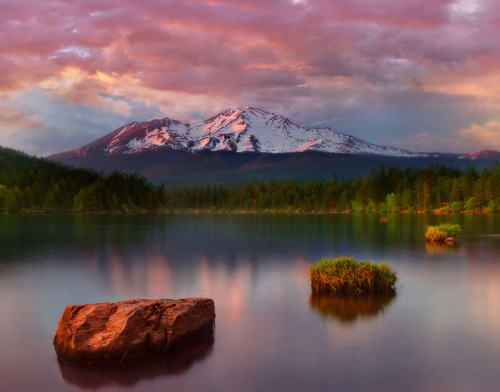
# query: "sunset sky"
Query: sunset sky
{"points": [[421, 75]]}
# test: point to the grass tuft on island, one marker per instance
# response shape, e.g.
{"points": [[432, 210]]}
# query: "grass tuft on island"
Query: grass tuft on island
{"points": [[442, 231], [345, 275]]}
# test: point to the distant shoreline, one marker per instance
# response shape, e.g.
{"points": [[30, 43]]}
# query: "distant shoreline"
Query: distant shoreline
{"points": [[250, 212]]}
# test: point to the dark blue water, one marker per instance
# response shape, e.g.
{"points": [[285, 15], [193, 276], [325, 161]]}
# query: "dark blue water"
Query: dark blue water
{"points": [[439, 333]]}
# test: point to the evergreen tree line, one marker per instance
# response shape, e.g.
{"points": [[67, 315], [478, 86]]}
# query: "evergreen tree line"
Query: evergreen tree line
{"points": [[384, 190], [30, 184]]}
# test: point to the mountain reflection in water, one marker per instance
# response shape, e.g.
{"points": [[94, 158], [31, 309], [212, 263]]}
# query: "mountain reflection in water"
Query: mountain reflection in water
{"points": [[349, 308]]}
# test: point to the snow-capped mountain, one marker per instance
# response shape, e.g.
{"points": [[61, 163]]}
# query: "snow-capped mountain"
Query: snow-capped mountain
{"points": [[240, 130]]}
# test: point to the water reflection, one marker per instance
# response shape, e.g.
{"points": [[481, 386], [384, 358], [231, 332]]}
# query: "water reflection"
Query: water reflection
{"points": [[434, 248], [447, 316], [350, 308], [174, 363]]}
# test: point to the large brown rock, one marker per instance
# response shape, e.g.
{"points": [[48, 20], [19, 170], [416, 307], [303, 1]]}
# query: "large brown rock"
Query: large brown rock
{"points": [[130, 330]]}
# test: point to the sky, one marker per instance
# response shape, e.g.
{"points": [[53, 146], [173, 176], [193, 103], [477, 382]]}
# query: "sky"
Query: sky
{"points": [[420, 75]]}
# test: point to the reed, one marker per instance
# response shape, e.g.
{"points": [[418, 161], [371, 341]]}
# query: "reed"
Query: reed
{"points": [[442, 231], [345, 275]]}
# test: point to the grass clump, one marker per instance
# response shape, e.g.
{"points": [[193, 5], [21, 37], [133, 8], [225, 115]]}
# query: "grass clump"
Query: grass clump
{"points": [[345, 275], [442, 231]]}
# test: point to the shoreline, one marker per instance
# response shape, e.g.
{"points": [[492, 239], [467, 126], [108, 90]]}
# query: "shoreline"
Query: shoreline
{"points": [[248, 212]]}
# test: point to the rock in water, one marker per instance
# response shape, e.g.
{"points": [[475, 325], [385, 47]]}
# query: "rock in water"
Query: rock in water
{"points": [[130, 330]]}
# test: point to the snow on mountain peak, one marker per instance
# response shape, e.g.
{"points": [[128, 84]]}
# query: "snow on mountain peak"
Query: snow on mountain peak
{"points": [[244, 129]]}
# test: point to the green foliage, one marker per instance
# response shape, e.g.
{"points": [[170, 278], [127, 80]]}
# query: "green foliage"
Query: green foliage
{"points": [[442, 231], [494, 205], [446, 209], [90, 199], [371, 207], [357, 207], [470, 205], [347, 275], [4, 194], [34, 184], [392, 203]]}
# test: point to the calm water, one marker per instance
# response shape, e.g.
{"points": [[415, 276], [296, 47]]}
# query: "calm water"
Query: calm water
{"points": [[441, 332]]}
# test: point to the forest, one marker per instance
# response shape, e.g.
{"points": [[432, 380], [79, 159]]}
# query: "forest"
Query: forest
{"points": [[384, 190], [29, 184]]}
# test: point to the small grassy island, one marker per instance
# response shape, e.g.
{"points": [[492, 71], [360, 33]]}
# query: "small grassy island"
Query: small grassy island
{"points": [[442, 232], [345, 275]]}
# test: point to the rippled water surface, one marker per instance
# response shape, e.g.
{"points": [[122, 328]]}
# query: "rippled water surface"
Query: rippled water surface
{"points": [[440, 332]]}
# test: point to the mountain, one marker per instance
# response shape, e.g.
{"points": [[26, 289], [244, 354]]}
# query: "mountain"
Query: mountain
{"points": [[241, 145], [484, 154], [237, 130]]}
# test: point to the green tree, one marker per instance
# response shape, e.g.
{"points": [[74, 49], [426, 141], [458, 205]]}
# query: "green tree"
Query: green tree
{"points": [[371, 207], [4, 194], [89, 199], [14, 200], [392, 203], [54, 202], [470, 205], [357, 207], [479, 193], [407, 198], [455, 191], [493, 206]]}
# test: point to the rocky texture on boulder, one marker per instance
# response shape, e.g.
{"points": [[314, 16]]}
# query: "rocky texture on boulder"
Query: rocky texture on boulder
{"points": [[130, 330]]}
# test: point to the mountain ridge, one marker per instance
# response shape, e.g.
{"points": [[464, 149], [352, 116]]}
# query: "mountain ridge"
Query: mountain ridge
{"points": [[482, 154], [244, 129], [233, 147]]}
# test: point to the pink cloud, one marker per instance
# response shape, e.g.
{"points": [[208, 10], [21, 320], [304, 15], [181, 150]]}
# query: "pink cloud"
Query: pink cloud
{"points": [[15, 119], [309, 54], [474, 137], [485, 136], [425, 142], [316, 38], [403, 14], [15, 74]]}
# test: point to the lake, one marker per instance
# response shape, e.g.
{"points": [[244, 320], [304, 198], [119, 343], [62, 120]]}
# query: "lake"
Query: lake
{"points": [[440, 332]]}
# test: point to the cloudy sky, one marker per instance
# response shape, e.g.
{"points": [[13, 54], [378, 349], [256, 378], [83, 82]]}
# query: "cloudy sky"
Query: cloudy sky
{"points": [[422, 75]]}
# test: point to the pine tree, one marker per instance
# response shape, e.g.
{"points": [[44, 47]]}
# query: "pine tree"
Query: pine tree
{"points": [[455, 191]]}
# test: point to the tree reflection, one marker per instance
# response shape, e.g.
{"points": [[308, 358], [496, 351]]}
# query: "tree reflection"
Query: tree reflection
{"points": [[349, 308], [173, 363]]}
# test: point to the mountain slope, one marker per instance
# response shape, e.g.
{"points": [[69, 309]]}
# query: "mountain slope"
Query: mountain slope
{"points": [[242, 145], [237, 130], [173, 167], [484, 154]]}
